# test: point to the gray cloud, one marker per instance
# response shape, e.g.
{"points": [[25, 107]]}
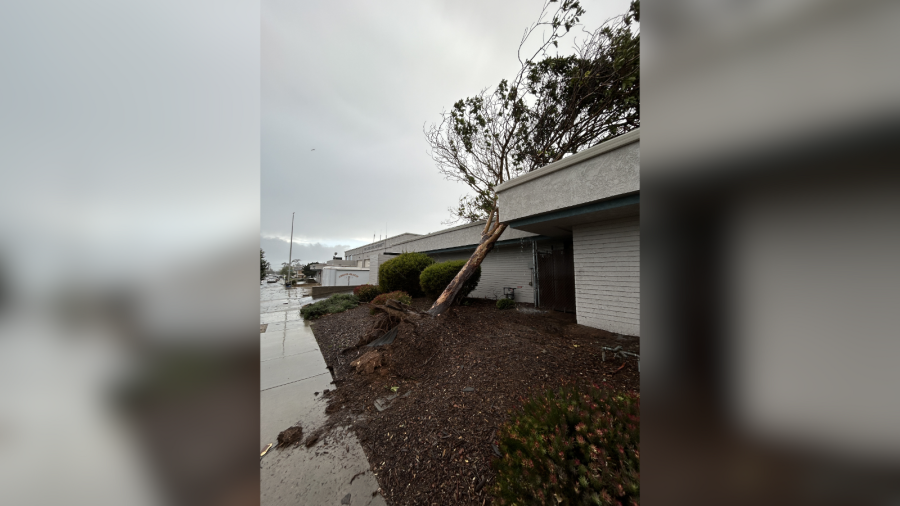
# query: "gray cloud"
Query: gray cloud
{"points": [[356, 81], [277, 251]]}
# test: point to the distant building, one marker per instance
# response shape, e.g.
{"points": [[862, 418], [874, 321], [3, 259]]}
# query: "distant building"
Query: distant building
{"points": [[374, 254], [334, 275], [339, 272]]}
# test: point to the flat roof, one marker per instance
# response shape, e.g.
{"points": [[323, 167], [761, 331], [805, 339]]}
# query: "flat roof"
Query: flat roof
{"points": [[354, 250], [599, 149], [479, 223]]}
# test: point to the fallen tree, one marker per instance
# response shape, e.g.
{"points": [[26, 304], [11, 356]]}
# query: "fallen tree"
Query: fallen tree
{"points": [[489, 235], [554, 106]]}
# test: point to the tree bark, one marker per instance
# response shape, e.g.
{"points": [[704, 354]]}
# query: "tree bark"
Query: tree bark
{"points": [[488, 239]]}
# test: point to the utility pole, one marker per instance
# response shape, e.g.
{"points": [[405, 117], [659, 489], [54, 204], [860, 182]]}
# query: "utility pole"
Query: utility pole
{"points": [[290, 252]]}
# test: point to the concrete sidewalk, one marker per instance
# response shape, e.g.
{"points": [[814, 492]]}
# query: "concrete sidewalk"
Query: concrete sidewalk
{"points": [[291, 371]]}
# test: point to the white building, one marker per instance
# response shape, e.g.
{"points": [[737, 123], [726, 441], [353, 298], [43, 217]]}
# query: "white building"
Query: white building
{"points": [[333, 275], [369, 254], [573, 242]]}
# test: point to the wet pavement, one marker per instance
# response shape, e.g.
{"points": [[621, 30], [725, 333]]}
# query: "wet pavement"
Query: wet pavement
{"points": [[291, 371]]}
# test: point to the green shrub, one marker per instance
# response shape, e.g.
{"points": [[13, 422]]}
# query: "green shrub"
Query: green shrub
{"points": [[366, 292], [506, 304], [337, 303], [435, 278], [399, 296], [571, 447], [402, 273]]}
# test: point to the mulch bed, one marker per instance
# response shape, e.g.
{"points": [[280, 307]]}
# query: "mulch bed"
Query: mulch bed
{"points": [[462, 375]]}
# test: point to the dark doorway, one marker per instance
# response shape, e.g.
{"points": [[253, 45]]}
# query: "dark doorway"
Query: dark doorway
{"points": [[556, 278]]}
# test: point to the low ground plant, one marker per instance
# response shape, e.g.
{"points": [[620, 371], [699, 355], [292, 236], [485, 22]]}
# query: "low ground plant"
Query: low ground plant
{"points": [[506, 304], [337, 303], [435, 278], [366, 293], [571, 446], [402, 273], [399, 296]]}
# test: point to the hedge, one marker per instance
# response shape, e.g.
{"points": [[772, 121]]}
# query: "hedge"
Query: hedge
{"points": [[435, 278], [402, 273], [366, 292], [506, 304], [399, 296]]}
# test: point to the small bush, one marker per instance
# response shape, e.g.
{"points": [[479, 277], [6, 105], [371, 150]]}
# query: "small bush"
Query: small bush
{"points": [[402, 273], [506, 304], [435, 278], [399, 296], [337, 303], [366, 293], [571, 447]]}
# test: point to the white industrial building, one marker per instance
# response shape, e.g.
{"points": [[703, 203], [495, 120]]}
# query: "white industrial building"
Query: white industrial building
{"points": [[334, 275], [573, 241], [338, 272]]}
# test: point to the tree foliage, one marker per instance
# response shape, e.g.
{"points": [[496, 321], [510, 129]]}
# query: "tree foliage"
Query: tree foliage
{"points": [[554, 106], [295, 267], [263, 264]]}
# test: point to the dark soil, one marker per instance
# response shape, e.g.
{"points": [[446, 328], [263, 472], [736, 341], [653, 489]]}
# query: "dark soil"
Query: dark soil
{"points": [[290, 436], [462, 375]]}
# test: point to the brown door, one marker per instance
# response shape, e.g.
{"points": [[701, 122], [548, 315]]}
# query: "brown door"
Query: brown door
{"points": [[556, 278]]}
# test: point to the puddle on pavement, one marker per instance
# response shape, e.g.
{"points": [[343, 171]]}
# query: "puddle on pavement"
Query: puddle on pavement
{"points": [[292, 370]]}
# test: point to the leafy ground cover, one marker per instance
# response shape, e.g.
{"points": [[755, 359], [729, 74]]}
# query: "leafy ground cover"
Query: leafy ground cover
{"points": [[571, 446], [337, 303]]}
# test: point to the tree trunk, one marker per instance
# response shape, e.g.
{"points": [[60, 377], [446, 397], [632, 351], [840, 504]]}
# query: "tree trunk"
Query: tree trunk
{"points": [[488, 239]]}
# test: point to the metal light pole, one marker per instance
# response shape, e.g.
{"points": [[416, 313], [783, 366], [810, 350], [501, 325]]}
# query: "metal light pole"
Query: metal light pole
{"points": [[290, 252]]}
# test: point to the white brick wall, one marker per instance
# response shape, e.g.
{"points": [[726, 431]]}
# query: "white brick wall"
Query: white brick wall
{"points": [[607, 275], [506, 265], [375, 261]]}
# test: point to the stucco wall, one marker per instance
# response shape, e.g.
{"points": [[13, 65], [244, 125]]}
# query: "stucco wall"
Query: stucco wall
{"points": [[507, 265], [606, 175], [607, 275]]}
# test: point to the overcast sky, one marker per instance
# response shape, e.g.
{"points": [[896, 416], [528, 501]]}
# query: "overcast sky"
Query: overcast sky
{"points": [[346, 89]]}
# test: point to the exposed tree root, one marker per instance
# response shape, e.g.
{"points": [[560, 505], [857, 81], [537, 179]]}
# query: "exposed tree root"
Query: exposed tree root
{"points": [[391, 314]]}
